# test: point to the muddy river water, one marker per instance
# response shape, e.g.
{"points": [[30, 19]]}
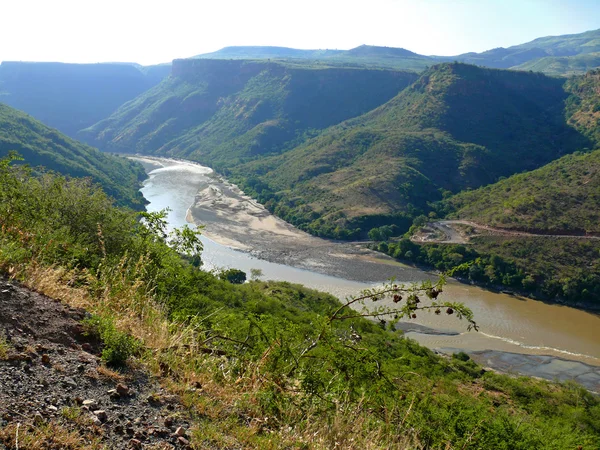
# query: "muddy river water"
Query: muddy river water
{"points": [[516, 334]]}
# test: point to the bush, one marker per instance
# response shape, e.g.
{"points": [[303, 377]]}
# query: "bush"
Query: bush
{"points": [[117, 346], [234, 276]]}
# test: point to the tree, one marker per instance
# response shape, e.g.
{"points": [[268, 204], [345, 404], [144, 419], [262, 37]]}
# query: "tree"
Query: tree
{"points": [[234, 276]]}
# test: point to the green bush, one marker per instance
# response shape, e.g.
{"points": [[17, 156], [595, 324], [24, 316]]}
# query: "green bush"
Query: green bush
{"points": [[118, 347]]}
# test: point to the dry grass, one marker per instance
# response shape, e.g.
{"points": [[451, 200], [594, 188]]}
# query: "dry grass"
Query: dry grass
{"points": [[105, 372], [229, 414], [4, 347], [51, 436]]}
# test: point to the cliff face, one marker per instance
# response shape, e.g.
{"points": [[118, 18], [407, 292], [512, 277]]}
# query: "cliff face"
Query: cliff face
{"points": [[221, 110]]}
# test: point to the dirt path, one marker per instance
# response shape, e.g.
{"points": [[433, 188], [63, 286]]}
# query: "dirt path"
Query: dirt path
{"points": [[444, 232]]}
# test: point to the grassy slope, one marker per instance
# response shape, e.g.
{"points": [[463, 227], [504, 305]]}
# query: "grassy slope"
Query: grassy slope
{"points": [[288, 376], [561, 197], [70, 97], [44, 146], [223, 112], [457, 127]]}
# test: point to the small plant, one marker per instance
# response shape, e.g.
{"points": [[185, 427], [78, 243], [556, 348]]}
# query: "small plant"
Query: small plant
{"points": [[4, 346], [118, 346]]}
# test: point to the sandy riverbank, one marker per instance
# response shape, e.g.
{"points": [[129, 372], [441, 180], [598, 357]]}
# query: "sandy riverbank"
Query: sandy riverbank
{"points": [[234, 219]]}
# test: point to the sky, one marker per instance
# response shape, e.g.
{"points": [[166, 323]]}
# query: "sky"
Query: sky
{"points": [[152, 32]]}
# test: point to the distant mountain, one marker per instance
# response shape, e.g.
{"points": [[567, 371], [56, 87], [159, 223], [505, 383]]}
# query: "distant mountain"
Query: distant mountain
{"points": [[44, 146], [364, 55], [224, 112], [551, 46], [554, 55], [70, 97], [266, 52], [563, 65], [457, 127]]}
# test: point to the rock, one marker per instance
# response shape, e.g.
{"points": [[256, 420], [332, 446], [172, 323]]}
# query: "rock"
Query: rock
{"points": [[90, 403], [52, 408], [122, 389], [45, 358], [180, 431], [135, 443], [168, 422], [70, 382], [183, 441], [101, 414], [96, 421], [87, 347]]}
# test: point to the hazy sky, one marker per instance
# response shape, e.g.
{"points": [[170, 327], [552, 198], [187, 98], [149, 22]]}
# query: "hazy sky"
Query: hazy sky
{"points": [[150, 32]]}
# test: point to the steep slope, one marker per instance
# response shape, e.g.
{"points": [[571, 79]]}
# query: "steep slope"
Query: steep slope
{"points": [[583, 107], [457, 127], [44, 146], [554, 46], [223, 112], [70, 97]]}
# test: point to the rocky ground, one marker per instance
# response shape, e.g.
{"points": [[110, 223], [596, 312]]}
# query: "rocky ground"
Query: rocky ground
{"points": [[55, 391]]}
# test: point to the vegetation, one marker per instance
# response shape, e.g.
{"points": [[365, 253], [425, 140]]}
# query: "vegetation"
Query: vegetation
{"points": [[583, 106], [564, 270], [280, 365], [46, 147], [70, 97], [443, 134], [562, 197]]}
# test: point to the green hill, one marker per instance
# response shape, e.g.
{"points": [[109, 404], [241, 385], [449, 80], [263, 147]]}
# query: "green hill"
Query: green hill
{"points": [[583, 107], [70, 97], [562, 65], [457, 127], [529, 54], [223, 112], [44, 146], [561, 197]]}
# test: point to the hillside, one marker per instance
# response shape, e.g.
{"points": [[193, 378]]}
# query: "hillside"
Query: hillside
{"points": [[40, 145], [562, 197], [583, 107], [551, 46], [457, 127], [204, 361], [223, 112], [70, 97], [563, 65]]}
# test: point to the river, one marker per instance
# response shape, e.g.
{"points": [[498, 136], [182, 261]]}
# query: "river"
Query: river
{"points": [[516, 334]]}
